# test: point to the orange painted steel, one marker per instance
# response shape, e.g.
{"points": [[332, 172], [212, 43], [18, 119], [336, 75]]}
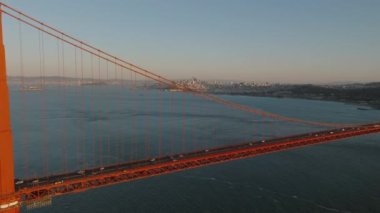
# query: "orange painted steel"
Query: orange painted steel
{"points": [[186, 161], [6, 146], [34, 190], [151, 75]]}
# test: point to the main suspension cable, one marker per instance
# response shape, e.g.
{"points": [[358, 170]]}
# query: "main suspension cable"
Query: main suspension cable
{"points": [[143, 72]]}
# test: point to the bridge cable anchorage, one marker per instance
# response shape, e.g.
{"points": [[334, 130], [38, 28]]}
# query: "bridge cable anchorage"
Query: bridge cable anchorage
{"points": [[148, 74]]}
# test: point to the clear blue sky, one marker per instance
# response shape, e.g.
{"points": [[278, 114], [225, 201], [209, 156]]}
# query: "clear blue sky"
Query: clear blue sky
{"points": [[299, 41]]}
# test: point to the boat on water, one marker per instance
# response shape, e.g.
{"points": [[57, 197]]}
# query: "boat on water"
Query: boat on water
{"points": [[31, 88], [95, 83], [174, 90]]}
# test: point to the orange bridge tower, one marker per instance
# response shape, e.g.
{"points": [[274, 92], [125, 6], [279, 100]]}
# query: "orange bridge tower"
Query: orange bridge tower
{"points": [[7, 186]]}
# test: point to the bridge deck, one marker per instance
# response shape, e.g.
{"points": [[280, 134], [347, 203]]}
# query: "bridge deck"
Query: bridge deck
{"points": [[35, 189]]}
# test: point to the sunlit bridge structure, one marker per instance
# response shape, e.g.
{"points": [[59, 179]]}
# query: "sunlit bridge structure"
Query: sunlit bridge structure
{"points": [[48, 73]]}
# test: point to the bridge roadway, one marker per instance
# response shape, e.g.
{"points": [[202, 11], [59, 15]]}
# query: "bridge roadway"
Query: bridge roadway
{"points": [[33, 190]]}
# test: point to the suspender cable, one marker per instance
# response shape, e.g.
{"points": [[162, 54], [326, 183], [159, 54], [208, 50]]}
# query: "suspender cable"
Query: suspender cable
{"points": [[108, 57]]}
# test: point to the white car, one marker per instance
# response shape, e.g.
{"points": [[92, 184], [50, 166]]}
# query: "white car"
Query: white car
{"points": [[58, 182], [19, 182]]}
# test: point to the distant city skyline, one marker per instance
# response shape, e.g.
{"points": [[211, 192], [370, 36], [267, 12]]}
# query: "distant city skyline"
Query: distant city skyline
{"points": [[265, 41]]}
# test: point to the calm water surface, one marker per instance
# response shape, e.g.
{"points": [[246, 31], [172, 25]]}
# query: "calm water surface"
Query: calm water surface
{"points": [[338, 177]]}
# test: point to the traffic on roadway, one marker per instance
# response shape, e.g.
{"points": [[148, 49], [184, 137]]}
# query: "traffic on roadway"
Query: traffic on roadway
{"points": [[61, 178]]}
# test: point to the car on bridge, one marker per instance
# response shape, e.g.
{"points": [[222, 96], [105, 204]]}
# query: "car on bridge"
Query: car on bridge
{"points": [[58, 182], [18, 181], [81, 172]]}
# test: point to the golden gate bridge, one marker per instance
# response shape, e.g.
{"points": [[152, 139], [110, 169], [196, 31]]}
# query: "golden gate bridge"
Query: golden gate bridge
{"points": [[72, 63]]}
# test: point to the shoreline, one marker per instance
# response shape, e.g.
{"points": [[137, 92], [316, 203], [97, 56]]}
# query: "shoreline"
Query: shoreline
{"points": [[371, 106]]}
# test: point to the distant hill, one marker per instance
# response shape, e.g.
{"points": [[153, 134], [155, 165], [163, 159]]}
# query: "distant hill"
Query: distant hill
{"points": [[365, 94]]}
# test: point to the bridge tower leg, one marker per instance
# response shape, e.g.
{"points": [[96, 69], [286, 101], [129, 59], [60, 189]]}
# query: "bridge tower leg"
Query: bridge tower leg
{"points": [[7, 186]]}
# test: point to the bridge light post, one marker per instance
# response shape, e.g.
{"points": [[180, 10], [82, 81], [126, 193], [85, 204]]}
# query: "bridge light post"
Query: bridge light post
{"points": [[7, 187]]}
